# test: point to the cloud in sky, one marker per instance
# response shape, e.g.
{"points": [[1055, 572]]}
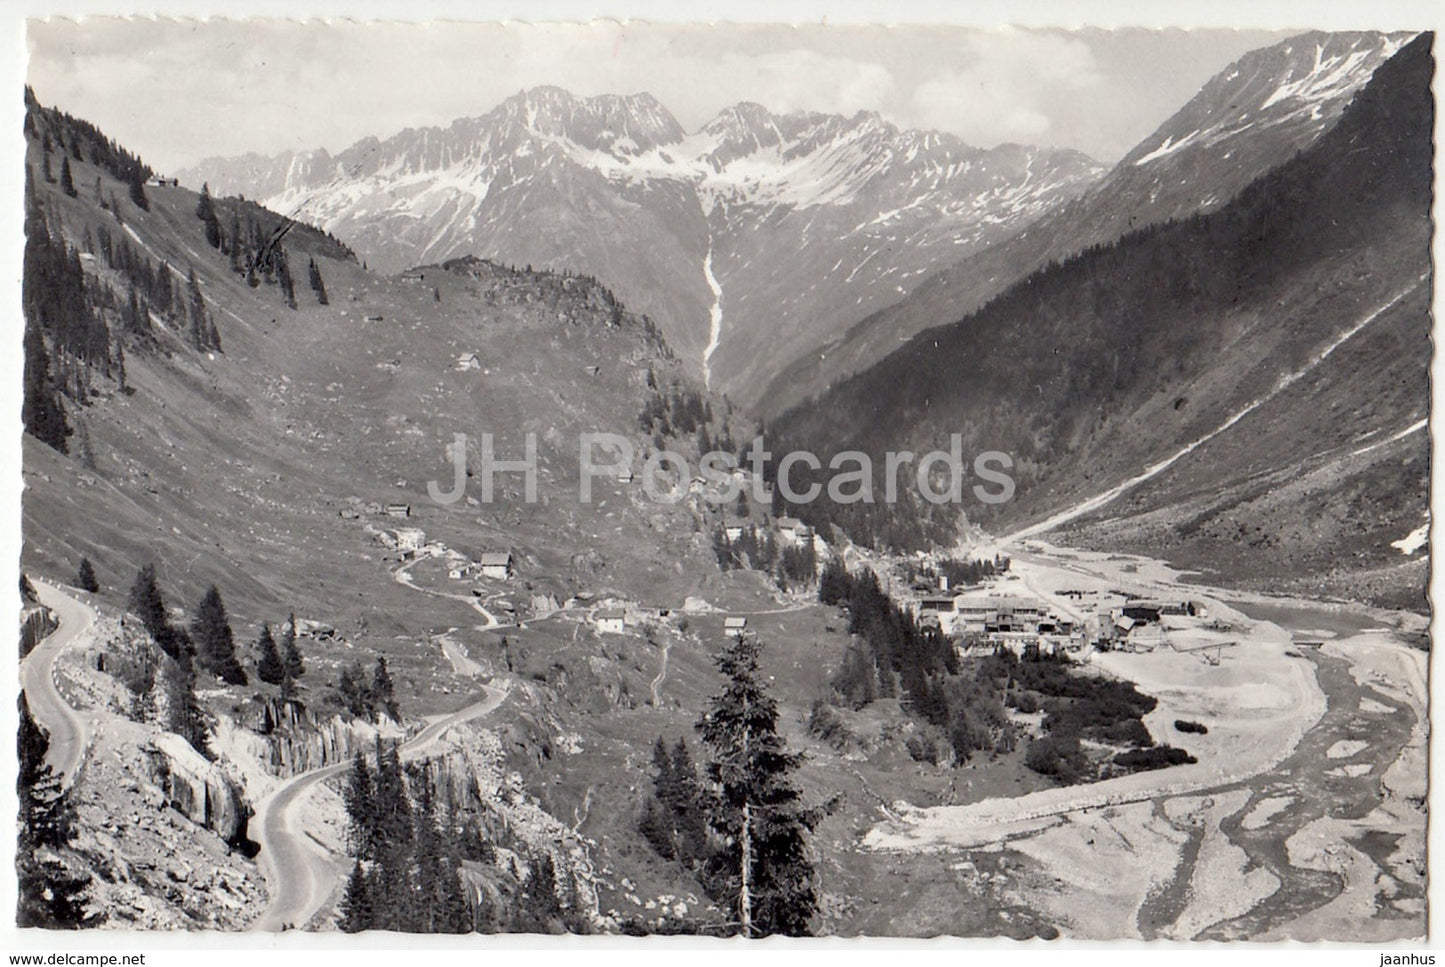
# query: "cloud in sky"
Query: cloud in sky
{"points": [[1007, 87], [805, 80], [179, 90]]}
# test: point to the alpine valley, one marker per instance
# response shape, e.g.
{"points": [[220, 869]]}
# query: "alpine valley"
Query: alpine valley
{"points": [[296, 653]]}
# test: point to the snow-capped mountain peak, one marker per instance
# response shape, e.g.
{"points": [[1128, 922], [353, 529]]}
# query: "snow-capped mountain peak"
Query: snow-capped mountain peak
{"points": [[622, 125], [1301, 84], [794, 208]]}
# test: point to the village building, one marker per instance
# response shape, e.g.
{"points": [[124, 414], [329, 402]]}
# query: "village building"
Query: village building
{"points": [[410, 539], [1146, 611], [610, 621], [793, 530], [468, 361], [735, 626], [398, 510], [498, 565]]}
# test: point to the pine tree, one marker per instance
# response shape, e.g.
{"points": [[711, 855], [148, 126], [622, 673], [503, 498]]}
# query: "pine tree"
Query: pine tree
{"points": [[283, 275], [184, 715], [67, 185], [538, 909], [146, 603], [357, 911], [215, 644], [269, 666], [41, 411], [833, 583], [142, 685], [235, 242], [85, 576], [430, 899], [383, 693], [690, 821], [206, 212], [360, 797], [120, 377], [663, 786], [655, 827], [288, 683], [317, 285], [50, 896], [48, 816], [757, 811], [393, 809], [351, 685], [202, 331], [394, 839], [138, 190]]}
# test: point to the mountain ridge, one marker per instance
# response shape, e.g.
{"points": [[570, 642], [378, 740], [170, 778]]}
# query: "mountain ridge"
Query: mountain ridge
{"points": [[794, 208], [1260, 110], [1295, 317]]}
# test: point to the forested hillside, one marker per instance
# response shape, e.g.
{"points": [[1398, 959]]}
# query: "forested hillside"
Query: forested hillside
{"points": [[1090, 371]]}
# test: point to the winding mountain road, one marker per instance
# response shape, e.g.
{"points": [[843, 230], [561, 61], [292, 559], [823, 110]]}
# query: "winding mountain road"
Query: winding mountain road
{"points": [[403, 576], [69, 731], [301, 875]]}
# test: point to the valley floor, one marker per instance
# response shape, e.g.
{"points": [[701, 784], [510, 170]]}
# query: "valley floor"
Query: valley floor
{"points": [[1304, 817]]}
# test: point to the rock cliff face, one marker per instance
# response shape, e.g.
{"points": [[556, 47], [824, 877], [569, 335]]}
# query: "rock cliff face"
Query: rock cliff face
{"points": [[198, 789], [288, 739], [470, 768], [143, 807], [35, 624]]}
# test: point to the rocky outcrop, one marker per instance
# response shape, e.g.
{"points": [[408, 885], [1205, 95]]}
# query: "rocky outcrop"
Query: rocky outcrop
{"points": [[197, 788], [291, 739], [471, 770], [35, 624]]}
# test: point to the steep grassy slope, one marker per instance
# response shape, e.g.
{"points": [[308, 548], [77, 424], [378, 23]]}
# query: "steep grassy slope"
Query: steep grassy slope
{"points": [[232, 467], [1301, 308]]}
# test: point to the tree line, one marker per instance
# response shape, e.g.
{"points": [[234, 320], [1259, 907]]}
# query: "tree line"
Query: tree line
{"points": [[208, 644], [410, 839], [791, 565]]}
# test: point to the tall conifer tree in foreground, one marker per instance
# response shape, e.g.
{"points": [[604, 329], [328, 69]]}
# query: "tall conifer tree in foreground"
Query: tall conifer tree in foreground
{"points": [[758, 812], [50, 896]]}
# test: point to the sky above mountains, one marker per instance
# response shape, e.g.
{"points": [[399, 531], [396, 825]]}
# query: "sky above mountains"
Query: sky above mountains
{"points": [[178, 91]]}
